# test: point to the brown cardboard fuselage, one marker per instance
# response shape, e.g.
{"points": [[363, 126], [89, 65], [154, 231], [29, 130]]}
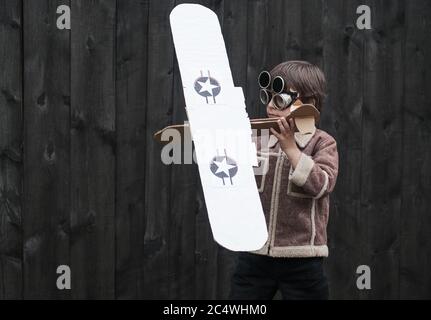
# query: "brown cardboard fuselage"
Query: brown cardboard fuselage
{"points": [[305, 116]]}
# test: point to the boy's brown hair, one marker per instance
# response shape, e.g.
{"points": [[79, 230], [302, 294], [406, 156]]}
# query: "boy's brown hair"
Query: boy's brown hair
{"points": [[304, 77]]}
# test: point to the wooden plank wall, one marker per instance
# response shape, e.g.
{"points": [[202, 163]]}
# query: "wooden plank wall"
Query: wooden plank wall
{"points": [[82, 184]]}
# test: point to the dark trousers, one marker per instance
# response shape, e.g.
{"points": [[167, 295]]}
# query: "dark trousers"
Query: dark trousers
{"points": [[258, 277]]}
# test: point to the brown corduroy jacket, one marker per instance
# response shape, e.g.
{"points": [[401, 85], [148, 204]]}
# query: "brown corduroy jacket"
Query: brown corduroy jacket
{"points": [[296, 202]]}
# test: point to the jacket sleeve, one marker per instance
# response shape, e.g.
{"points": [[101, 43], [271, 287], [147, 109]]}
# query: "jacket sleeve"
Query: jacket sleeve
{"points": [[317, 175]]}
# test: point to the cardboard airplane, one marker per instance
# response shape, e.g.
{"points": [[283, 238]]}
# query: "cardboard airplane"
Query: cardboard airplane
{"points": [[304, 115], [216, 108]]}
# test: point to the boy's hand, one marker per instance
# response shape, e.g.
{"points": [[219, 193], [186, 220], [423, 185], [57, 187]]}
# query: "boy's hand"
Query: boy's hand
{"points": [[287, 141]]}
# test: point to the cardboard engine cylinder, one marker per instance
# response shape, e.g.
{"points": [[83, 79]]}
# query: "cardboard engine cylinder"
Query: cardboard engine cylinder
{"points": [[264, 79]]}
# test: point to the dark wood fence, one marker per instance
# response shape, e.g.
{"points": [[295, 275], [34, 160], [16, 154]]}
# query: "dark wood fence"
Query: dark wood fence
{"points": [[81, 179]]}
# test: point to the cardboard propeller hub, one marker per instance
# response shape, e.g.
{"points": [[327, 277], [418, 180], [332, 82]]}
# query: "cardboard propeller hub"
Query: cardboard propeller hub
{"points": [[304, 115]]}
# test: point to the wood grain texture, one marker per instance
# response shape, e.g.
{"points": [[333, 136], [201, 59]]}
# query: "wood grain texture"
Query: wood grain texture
{"points": [[311, 32], [11, 157], [46, 150], [342, 117], [93, 149], [415, 263], [382, 145], [258, 20], [158, 191], [131, 110]]}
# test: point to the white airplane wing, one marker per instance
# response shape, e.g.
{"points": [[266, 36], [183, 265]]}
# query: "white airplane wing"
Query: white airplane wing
{"points": [[220, 128]]}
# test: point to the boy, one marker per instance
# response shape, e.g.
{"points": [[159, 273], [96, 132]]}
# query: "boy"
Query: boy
{"points": [[294, 191]]}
